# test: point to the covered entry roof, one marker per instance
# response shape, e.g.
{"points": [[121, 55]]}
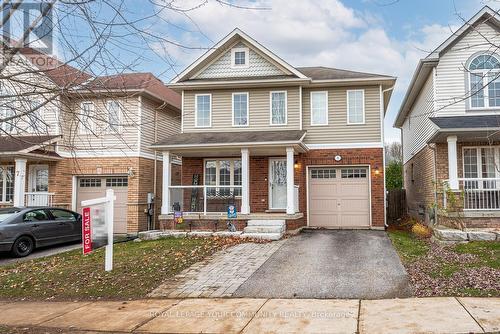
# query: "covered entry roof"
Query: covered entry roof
{"points": [[480, 128], [28, 146], [232, 140]]}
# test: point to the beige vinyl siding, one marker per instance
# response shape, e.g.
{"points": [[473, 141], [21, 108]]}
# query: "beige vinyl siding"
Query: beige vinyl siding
{"points": [[259, 110], [102, 139], [338, 131], [418, 128], [451, 81], [167, 123]]}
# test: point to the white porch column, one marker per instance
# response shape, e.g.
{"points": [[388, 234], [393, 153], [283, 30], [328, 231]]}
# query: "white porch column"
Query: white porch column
{"points": [[165, 191], [19, 182], [290, 186], [452, 162], [245, 181]]}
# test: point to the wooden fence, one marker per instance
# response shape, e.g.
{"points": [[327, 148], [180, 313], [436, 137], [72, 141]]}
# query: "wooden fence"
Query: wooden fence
{"points": [[396, 204]]}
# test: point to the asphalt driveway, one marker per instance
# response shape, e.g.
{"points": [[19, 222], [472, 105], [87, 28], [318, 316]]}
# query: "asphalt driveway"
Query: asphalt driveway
{"points": [[331, 264]]}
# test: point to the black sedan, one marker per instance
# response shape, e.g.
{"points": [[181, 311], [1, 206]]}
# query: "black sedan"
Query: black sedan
{"points": [[24, 229]]}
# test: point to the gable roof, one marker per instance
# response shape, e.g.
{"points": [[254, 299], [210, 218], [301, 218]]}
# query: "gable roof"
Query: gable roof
{"points": [[425, 65], [25, 144], [68, 77], [329, 73], [222, 46]]}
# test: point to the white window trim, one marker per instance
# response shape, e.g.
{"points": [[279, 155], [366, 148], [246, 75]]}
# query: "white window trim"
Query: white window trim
{"points": [[91, 124], [217, 171], [120, 117], [247, 60], [271, 107], [496, 156], [32, 176], [311, 107], [196, 111], [363, 105], [248, 109], [4, 183], [484, 76]]}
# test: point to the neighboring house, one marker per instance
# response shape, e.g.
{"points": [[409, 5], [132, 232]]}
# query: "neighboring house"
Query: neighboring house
{"points": [[450, 121], [304, 145], [96, 135]]}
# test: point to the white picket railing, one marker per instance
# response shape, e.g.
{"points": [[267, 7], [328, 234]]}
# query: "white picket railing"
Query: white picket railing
{"points": [[204, 198], [479, 193], [38, 198]]}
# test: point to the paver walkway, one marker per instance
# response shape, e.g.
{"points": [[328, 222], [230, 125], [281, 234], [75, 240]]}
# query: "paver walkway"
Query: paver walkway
{"points": [[219, 275], [243, 315]]}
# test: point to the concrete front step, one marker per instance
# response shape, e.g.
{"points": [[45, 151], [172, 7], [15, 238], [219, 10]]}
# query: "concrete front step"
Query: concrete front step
{"points": [[264, 229], [270, 222], [262, 236]]}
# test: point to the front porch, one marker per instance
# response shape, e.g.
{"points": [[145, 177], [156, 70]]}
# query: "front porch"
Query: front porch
{"points": [[24, 170], [260, 179], [467, 170]]}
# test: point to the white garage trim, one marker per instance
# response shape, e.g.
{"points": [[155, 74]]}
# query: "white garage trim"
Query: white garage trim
{"points": [[339, 166]]}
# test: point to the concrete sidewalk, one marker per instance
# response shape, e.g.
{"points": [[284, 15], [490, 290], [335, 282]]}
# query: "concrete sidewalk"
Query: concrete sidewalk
{"points": [[412, 315]]}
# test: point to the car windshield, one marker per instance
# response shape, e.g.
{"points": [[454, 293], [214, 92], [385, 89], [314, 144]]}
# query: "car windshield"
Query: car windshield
{"points": [[7, 213]]}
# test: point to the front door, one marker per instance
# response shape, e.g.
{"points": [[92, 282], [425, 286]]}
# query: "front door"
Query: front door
{"points": [[277, 183], [38, 183]]}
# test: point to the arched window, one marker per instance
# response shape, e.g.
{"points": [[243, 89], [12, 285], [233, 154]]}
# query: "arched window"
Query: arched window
{"points": [[484, 81]]}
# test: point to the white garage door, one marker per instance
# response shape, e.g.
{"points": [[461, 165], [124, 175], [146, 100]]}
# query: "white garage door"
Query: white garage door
{"points": [[93, 187], [339, 197]]}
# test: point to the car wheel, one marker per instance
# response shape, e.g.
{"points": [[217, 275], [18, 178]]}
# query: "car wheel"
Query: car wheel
{"points": [[23, 246]]}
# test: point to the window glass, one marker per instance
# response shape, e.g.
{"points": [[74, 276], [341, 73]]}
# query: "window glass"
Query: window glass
{"points": [[225, 176], [488, 165], [353, 173], [240, 58], [319, 108], [470, 167], [477, 91], [90, 182], [237, 177], [223, 173], [114, 116], [211, 175], [278, 108], [116, 182], [325, 173], [35, 216], [240, 109], [355, 106], [85, 118], [6, 183], [484, 81], [203, 110], [494, 89], [41, 179], [63, 215]]}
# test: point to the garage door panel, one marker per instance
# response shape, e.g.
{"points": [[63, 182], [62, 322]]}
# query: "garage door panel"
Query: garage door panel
{"points": [[95, 187], [339, 197]]}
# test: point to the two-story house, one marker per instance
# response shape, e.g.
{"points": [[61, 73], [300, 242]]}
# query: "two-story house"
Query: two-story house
{"points": [[449, 121], [301, 145], [85, 135]]}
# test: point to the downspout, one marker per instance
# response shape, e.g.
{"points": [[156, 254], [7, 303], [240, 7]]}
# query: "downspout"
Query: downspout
{"points": [[382, 109], [155, 167]]}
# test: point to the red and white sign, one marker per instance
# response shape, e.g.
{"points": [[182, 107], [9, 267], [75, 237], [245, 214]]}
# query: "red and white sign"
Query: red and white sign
{"points": [[86, 231]]}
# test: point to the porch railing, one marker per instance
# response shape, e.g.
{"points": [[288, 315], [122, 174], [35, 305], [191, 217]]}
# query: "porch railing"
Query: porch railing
{"points": [[204, 199], [38, 199], [478, 193]]}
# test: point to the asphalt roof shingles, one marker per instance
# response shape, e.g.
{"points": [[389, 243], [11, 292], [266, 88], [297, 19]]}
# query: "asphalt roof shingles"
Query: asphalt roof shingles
{"points": [[461, 122]]}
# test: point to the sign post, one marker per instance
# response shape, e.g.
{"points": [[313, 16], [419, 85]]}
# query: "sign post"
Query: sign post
{"points": [[97, 226]]}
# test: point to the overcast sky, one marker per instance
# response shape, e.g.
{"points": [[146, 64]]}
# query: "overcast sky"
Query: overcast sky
{"points": [[379, 36]]}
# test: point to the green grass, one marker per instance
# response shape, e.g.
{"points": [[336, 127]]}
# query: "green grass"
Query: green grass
{"points": [[408, 247], [138, 268], [488, 253], [445, 270]]}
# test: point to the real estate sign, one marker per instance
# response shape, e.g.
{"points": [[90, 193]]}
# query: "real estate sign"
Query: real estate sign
{"points": [[86, 231]]}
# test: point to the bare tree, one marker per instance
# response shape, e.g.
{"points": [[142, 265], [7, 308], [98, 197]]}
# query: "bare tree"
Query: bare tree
{"points": [[393, 152]]}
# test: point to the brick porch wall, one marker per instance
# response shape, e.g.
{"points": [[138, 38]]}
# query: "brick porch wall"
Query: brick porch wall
{"points": [[259, 169]]}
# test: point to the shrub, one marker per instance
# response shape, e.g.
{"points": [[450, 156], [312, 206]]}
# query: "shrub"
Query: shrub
{"points": [[421, 230]]}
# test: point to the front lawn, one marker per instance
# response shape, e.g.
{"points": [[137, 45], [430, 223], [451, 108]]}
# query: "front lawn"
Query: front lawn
{"points": [[139, 267], [470, 269]]}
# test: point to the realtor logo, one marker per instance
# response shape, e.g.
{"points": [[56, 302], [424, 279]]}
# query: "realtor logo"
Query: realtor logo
{"points": [[29, 22]]}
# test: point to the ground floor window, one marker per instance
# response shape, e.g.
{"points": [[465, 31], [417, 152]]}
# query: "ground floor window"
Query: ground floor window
{"points": [[6, 183], [223, 172], [481, 163]]}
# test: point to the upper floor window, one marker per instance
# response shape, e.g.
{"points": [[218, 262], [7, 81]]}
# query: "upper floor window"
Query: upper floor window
{"points": [[278, 108], [85, 121], [7, 109], [484, 81], [319, 108], [355, 106], [240, 109], [239, 57], [114, 109], [203, 109]]}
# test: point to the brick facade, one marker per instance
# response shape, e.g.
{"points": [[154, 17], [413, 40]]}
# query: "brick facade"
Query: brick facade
{"points": [[259, 170], [140, 182]]}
